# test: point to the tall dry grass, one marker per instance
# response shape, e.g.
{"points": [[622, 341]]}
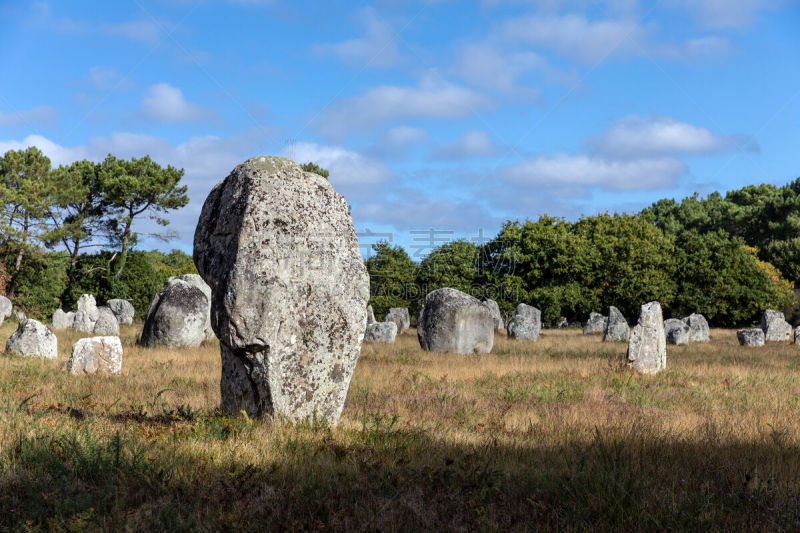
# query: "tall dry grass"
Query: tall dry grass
{"points": [[556, 434]]}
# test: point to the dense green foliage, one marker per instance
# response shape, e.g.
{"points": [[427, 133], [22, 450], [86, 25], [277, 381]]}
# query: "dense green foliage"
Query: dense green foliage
{"points": [[391, 274], [316, 169]]}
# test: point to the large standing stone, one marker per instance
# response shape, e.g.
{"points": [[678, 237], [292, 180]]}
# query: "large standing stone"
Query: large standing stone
{"points": [[62, 320], [526, 324], [751, 337], [106, 323], [617, 329], [34, 339], [370, 316], [95, 355], [496, 316], [775, 326], [197, 281], [86, 315], [122, 309], [381, 332], [177, 316], [453, 321], [647, 348], [290, 290], [698, 327], [399, 315], [677, 331], [5, 308], [595, 324]]}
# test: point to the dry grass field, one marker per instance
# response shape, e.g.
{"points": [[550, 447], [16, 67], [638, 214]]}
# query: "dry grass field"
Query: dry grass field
{"points": [[552, 435]]}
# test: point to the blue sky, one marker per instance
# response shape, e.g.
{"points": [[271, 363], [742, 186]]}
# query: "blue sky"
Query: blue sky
{"points": [[439, 115]]}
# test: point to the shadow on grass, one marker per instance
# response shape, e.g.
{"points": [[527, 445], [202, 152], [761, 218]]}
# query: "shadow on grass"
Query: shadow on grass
{"points": [[387, 478]]}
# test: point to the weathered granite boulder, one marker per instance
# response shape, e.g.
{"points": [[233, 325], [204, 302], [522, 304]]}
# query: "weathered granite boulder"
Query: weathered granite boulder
{"points": [[33, 339], [106, 323], [371, 316], [5, 308], [677, 331], [452, 321], [647, 348], [494, 309], [381, 332], [399, 315], [177, 316], [751, 337], [526, 324], [617, 329], [94, 355], [122, 309], [775, 326], [561, 322], [86, 315], [596, 324], [289, 305], [196, 281], [698, 327], [62, 320]]}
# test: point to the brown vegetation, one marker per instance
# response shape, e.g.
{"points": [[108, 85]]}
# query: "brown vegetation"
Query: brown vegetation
{"points": [[556, 434]]}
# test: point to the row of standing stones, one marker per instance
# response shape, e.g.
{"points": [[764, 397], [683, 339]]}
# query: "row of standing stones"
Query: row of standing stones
{"points": [[283, 287]]}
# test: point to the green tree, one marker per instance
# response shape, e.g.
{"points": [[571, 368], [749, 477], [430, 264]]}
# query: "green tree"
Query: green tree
{"points": [[455, 264], [316, 169], [392, 276], [26, 198], [134, 188]]}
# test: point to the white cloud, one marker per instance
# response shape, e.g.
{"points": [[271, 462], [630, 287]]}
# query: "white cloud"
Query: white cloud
{"points": [[106, 79], [378, 47], [348, 169], [576, 37], [486, 66], [475, 143], [710, 46], [433, 98], [563, 170], [143, 31], [639, 137], [164, 103], [41, 114], [399, 140], [727, 13]]}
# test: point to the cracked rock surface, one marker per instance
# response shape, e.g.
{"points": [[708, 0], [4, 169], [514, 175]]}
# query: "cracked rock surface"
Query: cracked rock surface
{"points": [[277, 246]]}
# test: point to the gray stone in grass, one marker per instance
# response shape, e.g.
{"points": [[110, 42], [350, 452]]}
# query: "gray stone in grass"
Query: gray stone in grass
{"points": [[86, 315], [647, 348], [62, 320], [698, 328], [122, 309], [775, 326], [94, 355], [596, 324], [106, 323], [277, 246], [400, 316], [617, 329], [677, 331], [371, 316], [526, 324], [381, 332], [496, 316], [453, 321], [5, 308], [33, 339], [751, 337], [177, 317]]}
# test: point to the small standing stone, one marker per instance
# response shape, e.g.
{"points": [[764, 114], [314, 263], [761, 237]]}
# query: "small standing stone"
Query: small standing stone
{"points": [[5, 308], [381, 332], [400, 316], [596, 324], [95, 355], [647, 349], [33, 339], [677, 331], [775, 326], [87, 314], [122, 309], [617, 329], [698, 327], [526, 324], [797, 335], [106, 323], [496, 316], [370, 315], [751, 337], [452, 321], [62, 320]]}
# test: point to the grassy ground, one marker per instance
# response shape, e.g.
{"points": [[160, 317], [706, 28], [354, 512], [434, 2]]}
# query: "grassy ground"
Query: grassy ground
{"points": [[552, 435]]}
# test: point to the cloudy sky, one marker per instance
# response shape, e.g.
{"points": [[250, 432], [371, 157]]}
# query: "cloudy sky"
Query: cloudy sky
{"points": [[431, 115]]}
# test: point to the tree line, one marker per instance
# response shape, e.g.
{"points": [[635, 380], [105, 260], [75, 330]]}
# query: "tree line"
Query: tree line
{"points": [[69, 230], [728, 257]]}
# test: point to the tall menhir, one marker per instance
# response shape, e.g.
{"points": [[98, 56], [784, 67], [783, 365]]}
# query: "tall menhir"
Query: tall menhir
{"points": [[277, 246]]}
